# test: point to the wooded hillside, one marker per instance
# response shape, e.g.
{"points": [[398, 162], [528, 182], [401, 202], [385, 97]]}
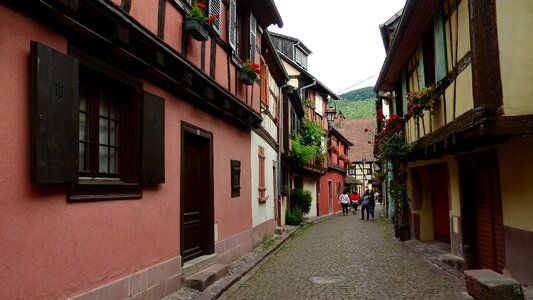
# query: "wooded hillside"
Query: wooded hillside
{"points": [[357, 104]]}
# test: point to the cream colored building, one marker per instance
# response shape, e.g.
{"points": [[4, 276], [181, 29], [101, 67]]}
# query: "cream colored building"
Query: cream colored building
{"points": [[469, 183]]}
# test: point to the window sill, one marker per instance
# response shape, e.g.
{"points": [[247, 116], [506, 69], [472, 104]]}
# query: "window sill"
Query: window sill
{"points": [[103, 190]]}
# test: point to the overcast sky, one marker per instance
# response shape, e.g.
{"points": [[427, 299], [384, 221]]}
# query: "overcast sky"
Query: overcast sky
{"points": [[343, 36]]}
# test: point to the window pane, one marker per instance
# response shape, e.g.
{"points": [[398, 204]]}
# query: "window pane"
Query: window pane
{"points": [[103, 159], [113, 133], [83, 157], [103, 131], [104, 103], [113, 159]]}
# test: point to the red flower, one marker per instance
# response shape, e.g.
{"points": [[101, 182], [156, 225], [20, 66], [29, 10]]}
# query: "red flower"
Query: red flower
{"points": [[256, 71], [211, 19], [254, 65], [200, 5], [369, 142], [366, 129]]}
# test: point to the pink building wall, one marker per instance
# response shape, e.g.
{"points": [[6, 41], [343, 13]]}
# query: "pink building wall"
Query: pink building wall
{"points": [[51, 249], [323, 198]]}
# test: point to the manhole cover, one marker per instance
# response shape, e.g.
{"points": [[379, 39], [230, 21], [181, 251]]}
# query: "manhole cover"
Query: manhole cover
{"points": [[326, 279]]}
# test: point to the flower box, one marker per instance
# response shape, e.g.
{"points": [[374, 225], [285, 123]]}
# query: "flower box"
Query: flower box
{"points": [[194, 28], [246, 77]]}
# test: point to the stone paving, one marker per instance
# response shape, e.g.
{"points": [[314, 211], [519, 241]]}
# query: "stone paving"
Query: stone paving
{"points": [[344, 257], [338, 257]]}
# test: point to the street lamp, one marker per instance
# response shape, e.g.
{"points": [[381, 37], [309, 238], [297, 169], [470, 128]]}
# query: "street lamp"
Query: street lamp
{"points": [[330, 114]]}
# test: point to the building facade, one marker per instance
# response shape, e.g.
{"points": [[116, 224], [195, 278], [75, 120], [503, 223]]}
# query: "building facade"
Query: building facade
{"points": [[306, 101], [467, 183], [129, 143]]}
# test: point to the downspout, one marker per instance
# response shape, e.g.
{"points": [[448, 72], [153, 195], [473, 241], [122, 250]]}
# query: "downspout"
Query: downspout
{"points": [[280, 131], [294, 50], [305, 87]]}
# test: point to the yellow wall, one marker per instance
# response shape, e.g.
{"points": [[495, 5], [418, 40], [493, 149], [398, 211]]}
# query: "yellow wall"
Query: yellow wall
{"points": [[516, 179], [454, 183], [464, 100], [291, 71], [464, 35], [426, 213], [515, 30]]}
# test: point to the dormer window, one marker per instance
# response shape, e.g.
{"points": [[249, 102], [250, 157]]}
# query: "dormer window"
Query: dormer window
{"points": [[300, 57]]}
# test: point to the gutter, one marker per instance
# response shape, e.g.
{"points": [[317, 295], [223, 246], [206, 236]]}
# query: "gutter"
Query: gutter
{"points": [[305, 87]]}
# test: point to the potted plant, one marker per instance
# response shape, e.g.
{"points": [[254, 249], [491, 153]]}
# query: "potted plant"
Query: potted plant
{"points": [[333, 149], [197, 24], [248, 72], [425, 99]]}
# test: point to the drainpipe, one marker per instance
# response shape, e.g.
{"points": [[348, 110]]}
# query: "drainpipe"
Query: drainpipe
{"points": [[305, 87], [294, 50], [280, 130]]}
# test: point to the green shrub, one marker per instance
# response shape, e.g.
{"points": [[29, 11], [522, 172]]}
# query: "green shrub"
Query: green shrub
{"points": [[301, 199], [293, 216]]}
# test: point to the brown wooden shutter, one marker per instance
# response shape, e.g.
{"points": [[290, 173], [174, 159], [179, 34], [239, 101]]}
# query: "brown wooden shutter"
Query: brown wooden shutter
{"points": [[54, 116], [153, 133]]}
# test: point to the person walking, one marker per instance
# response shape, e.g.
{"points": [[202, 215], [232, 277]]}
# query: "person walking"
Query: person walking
{"points": [[345, 202], [371, 205], [377, 197], [354, 198], [364, 206]]}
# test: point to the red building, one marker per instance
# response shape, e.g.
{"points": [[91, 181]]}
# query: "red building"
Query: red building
{"points": [[332, 183], [126, 151]]}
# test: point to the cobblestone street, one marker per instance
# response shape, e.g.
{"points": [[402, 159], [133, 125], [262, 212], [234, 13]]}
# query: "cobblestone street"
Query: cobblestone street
{"points": [[344, 257]]}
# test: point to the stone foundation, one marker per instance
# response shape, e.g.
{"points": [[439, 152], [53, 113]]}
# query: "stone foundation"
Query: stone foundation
{"points": [[154, 282]]}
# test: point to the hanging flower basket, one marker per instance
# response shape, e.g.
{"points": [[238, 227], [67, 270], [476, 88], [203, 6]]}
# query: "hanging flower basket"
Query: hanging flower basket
{"points": [[194, 28], [246, 77], [425, 99], [248, 72]]}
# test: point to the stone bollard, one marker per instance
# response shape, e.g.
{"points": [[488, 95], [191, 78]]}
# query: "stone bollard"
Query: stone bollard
{"points": [[487, 284]]}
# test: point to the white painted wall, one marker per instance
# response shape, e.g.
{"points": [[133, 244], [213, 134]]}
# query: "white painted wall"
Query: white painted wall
{"points": [[262, 211], [310, 185]]}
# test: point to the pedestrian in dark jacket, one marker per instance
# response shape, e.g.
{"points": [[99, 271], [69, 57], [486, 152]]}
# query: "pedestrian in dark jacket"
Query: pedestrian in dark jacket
{"points": [[364, 206], [371, 204]]}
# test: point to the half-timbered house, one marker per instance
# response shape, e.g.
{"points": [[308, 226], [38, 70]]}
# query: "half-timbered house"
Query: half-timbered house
{"points": [[126, 162], [469, 183]]}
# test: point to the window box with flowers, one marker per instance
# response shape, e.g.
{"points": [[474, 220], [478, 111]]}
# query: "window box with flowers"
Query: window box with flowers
{"points": [[425, 99], [333, 149], [248, 72], [197, 24]]}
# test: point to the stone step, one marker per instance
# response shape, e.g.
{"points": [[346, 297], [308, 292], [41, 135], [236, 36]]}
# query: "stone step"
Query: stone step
{"points": [[198, 264], [202, 279], [488, 284]]}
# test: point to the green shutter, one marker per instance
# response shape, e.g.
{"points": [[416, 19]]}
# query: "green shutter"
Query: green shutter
{"points": [[404, 92], [441, 66]]}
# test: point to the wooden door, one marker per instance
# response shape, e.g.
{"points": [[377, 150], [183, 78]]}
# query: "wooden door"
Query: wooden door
{"points": [[197, 214], [489, 221], [440, 203]]}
